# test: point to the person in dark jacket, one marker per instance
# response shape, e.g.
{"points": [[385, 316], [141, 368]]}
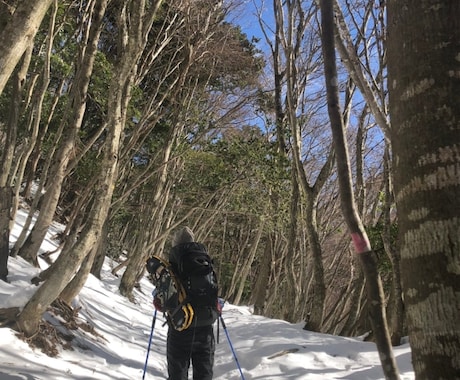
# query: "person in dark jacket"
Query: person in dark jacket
{"points": [[196, 344]]}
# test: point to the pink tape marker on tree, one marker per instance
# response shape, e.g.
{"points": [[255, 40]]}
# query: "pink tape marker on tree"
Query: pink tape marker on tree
{"points": [[361, 242]]}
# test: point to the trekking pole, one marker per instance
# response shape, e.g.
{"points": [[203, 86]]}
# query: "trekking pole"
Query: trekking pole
{"points": [[218, 331], [231, 346], [150, 342]]}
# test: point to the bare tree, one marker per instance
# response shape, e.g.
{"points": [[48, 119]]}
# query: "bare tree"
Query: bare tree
{"points": [[360, 42], [355, 226], [295, 52], [424, 66]]}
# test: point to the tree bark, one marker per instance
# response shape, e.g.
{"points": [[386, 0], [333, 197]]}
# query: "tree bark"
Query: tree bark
{"points": [[289, 285], [354, 297], [98, 262], [355, 226], [74, 287], [18, 34], [5, 206], [424, 67], [260, 288]]}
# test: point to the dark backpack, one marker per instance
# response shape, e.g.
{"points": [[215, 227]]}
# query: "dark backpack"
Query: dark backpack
{"points": [[186, 286], [195, 271]]}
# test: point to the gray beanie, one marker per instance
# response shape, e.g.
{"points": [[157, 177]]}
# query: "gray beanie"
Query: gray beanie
{"points": [[184, 235]]}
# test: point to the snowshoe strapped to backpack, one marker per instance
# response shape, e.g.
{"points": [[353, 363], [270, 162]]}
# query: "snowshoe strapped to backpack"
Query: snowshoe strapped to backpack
{"points": [[171, 294]]}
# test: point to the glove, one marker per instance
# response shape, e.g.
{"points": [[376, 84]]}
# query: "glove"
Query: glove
{"points": [[157, 304], [157, 301], [220, 305]]}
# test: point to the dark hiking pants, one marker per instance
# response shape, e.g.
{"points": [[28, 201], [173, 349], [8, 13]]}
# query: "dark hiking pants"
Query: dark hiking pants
{"points": [[195, 345]]}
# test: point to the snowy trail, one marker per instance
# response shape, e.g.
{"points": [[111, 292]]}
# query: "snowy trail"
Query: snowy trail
{"points": [[266, 349]]}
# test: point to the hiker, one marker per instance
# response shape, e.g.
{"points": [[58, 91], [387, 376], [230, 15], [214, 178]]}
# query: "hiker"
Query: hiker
{"points": [[194, 344]]}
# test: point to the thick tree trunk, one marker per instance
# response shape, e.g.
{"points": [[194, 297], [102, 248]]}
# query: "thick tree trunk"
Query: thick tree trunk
{"points": [[136, 259], [358, 234], [18, 33], [424, 67]]}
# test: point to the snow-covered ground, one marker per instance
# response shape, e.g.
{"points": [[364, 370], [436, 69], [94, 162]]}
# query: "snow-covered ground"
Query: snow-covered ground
{"points": [[117, 349]]}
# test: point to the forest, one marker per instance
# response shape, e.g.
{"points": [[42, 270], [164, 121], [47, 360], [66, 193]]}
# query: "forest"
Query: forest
{"points": [[319, 162]]}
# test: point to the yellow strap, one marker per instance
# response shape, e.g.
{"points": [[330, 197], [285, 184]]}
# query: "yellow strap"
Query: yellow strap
{"points": [[188, 316]]}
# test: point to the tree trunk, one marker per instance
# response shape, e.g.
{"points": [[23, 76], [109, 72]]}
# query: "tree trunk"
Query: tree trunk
{"points": [[35, 114], [136, 259], [358, 234], [261, 286], [351, 61], [74, 287], [68, 262], [5, 206], [396, 304], [354, 297], [424, 67], [291, 24], [75, 117], [315, 321], [99, 258], [18, 34], [36, 154], [247, 266], [7, 157], [289, 285]]}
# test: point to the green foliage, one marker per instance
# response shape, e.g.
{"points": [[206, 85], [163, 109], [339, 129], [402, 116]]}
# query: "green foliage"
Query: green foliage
{"points": [[100, 80], [375, 237], [86, 170], [244, 161]]}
